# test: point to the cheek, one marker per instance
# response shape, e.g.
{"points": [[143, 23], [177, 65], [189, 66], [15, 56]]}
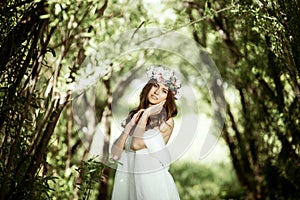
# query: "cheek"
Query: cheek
{"points": [[163, 96], [150, 91]]}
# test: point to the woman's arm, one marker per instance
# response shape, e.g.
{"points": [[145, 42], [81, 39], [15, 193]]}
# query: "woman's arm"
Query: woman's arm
{"points": [[165, 129], [119, 144], [138, 134]]}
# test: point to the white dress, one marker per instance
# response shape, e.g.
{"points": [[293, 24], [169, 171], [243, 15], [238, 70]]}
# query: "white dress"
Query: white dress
{"points": [[144, 174]]}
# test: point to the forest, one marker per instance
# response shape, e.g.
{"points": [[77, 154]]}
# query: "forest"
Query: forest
{"points": [[70, 71]]}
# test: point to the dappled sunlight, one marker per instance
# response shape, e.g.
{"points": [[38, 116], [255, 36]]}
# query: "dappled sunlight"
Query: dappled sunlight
{"points": [[70, 71]]}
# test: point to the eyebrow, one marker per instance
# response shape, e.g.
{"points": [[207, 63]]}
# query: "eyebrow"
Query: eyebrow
{"points": [[163, 87]]}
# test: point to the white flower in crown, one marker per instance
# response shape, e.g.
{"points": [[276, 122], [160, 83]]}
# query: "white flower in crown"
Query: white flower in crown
{"points": [[168, 74], [167, 77]]}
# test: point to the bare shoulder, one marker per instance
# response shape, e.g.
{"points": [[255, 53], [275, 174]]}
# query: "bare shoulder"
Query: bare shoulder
{"points": [[166, 129]]}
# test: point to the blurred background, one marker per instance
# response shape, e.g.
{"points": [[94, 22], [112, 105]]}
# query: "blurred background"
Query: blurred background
{"points": [[57, 127]]}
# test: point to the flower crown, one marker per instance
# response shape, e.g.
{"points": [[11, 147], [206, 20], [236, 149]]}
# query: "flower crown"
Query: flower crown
{"points": [[166, 76]]}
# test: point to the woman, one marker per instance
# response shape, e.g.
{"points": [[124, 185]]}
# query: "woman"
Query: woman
{"points": [[141, 148]]}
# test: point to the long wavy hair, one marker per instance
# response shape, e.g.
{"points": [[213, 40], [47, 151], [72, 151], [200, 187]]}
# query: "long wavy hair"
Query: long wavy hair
{"points": [[169, 108]]}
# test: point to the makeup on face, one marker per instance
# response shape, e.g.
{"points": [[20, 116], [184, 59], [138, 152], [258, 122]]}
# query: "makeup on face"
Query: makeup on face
{"points": [[158, 93]]}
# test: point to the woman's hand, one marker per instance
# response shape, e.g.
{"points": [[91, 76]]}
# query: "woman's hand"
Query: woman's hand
{"points": [[134, 119], [155, 109]]}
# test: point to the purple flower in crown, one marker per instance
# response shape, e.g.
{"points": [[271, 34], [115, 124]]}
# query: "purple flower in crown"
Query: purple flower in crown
{"points": [[166, 76]]}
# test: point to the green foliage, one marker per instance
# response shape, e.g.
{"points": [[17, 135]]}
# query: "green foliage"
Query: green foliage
{"points": [[43, 39], [214, 181], [90, 174], [254, 48], [44, 44]]}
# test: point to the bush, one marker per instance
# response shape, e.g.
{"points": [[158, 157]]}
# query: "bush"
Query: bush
{"points": [[198, 181]]}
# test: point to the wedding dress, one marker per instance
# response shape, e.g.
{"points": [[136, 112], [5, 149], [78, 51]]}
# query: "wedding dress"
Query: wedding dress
{"points": [[143, 174]]}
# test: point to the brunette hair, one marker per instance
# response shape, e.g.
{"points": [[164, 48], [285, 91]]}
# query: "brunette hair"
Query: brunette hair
{"points": [[169, 108]]}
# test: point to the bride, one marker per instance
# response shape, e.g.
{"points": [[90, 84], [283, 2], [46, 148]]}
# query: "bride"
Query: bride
{"points": [[141, 148]]}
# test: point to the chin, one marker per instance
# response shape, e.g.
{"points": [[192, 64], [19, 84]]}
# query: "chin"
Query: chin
{"points": [[153, 102]]}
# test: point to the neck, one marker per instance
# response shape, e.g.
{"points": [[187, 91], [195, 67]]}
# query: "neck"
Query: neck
{"points": [[150, 104]]}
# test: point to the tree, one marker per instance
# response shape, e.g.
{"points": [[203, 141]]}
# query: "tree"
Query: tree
{"points": [[255, 48], [45, 46], [50, 41], [32, 98]]}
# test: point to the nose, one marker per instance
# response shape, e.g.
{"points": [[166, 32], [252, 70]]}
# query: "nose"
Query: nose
{"points": [[156, 91]]}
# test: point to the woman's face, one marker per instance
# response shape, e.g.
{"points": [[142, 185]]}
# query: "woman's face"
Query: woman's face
{"points": [[157, 93]]}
